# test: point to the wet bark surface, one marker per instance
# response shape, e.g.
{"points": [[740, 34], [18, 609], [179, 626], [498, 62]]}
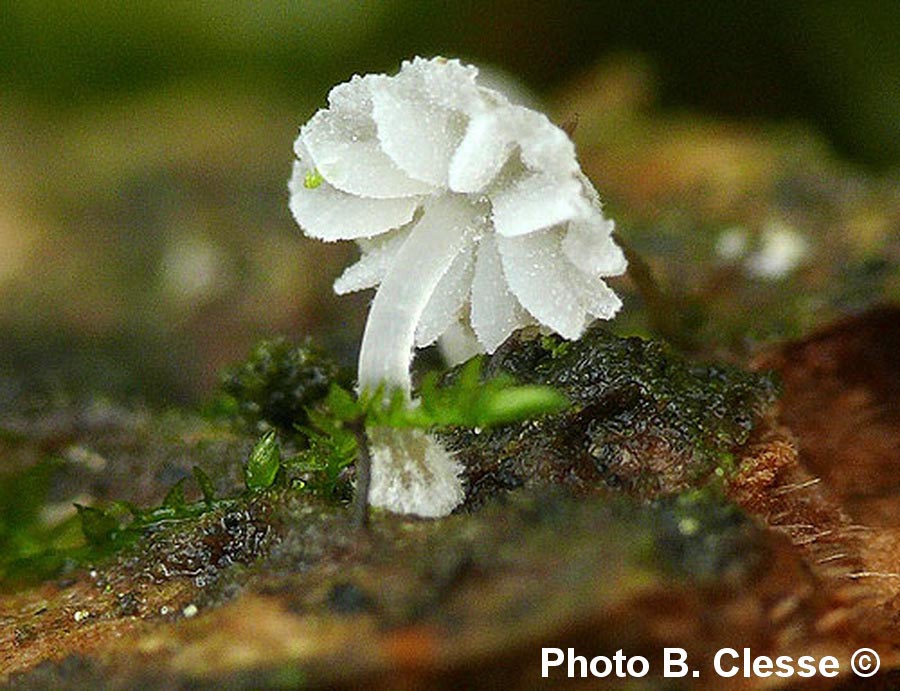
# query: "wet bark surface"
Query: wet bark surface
{"points": [[781, 537]]}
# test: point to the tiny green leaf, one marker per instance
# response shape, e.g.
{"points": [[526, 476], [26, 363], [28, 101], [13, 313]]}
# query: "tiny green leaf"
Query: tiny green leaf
{"points": [[96, 524], [428, 393], [175, 496], [470, 374], [467, 401], [555, 345], [264, 462], [520, 403], [205, 484], [312, 179], [342, 404]]}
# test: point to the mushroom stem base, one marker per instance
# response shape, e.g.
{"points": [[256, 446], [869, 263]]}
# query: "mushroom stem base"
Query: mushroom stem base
{"points": [[412, 473]]}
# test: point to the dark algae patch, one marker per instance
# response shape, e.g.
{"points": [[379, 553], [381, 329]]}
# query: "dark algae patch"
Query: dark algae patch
{"points": [[644, 419]]}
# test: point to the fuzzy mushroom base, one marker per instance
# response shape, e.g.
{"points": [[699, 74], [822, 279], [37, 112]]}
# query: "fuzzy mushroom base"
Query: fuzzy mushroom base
{"points": [[413, 473]]}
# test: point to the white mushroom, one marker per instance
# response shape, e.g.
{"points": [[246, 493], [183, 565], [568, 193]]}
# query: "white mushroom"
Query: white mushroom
{"points": [[471, 213]]}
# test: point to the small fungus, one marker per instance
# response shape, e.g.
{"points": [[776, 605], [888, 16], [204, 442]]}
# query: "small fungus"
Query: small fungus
{"points": [[473, 218], [782, 250]]}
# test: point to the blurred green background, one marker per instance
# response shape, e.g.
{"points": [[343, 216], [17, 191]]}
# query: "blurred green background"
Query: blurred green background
{"points": [[144, 234]]}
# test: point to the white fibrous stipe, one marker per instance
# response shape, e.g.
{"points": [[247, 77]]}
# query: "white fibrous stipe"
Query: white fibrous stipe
{"points": [[473, 219]]}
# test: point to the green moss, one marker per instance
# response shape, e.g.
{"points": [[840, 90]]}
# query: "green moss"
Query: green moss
{"points": [[264, 463], [464, 398], [35, 548], [276, 385], [32, 548]]}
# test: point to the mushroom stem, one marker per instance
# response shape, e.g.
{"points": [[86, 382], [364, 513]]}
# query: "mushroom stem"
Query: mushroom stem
{"points": [[410, 471], [663, 308], [390, 335], [363, 477]]}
